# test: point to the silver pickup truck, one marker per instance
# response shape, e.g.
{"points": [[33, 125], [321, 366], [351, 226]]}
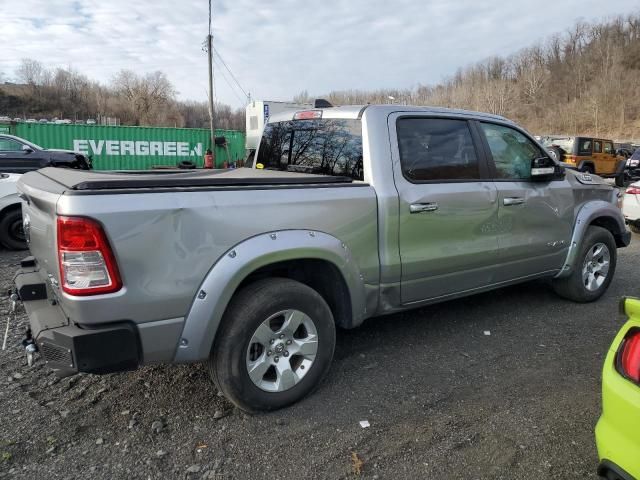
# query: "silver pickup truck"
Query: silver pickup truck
{"points": [[347, 213]]}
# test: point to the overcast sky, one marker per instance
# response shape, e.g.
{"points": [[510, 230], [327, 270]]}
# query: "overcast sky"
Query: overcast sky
{"points": [[276, 48]]}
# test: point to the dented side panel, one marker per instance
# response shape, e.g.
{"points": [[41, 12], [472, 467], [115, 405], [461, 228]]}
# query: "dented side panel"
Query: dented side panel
{"points": [[165, 243]]}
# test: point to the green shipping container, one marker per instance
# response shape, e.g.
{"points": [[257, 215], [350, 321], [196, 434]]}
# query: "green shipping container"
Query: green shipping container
{"points": [[135, 148]]}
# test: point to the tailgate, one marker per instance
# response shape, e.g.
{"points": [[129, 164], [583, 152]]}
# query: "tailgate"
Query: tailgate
{"points": [[39, 198]]}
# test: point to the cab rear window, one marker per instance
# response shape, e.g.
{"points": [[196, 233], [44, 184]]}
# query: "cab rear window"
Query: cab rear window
{"points": [[318, 146]]}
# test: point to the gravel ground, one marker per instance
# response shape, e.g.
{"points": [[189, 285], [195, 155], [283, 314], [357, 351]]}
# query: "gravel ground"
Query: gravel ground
{"points": [[443, 398]]}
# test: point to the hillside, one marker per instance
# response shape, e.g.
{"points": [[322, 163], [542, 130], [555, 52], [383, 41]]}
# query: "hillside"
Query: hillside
{"points": [[584, 81]]}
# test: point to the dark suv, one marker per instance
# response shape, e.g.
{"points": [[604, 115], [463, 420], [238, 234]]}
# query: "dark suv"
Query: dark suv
{"points": [[18, 155]]}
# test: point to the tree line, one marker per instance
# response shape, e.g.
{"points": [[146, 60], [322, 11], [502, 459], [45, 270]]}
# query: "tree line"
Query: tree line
{"points": [[134, 99], [584, 81]]}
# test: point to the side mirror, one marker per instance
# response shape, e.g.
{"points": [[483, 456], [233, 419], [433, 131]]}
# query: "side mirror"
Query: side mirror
{"points": [[544, 169], [27, 149]]}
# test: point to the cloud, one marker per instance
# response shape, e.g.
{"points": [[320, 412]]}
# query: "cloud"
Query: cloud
{"points": [[278, 48]]}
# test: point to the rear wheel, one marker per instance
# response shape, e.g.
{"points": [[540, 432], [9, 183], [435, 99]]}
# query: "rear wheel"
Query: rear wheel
{"points": [[588, 169], [620, 179], [11, 231], [274, 346], [593, 269], [635, 227]]}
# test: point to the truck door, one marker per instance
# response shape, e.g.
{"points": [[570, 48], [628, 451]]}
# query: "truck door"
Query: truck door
{"points": [[448, 207], [535, 219]]}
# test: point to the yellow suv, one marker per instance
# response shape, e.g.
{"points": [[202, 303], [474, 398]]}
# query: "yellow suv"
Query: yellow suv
{"points": [[587, 154]]}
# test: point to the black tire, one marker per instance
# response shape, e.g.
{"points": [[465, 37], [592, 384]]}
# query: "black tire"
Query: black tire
{"points": [[248, 309], [556, 153], [11, 232], [186, 165], [573, 287], [635, 227], [620, 179], [588, 168]]}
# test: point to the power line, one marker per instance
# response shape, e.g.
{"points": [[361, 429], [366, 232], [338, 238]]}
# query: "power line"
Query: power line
{"points": [[230, 72], [242, 100]]}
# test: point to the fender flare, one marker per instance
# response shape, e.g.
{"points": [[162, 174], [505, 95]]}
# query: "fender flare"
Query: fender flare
{"points": [[221, 282], [586, 162], [621, 165], [589, 212], [9, 201]]}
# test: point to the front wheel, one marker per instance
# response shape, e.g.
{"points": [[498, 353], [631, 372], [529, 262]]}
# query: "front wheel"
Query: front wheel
{"points": [[593, 269], [274, 346]]}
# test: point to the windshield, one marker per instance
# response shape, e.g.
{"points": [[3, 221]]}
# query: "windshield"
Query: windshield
{"points": [[320, 146], [566, 143]]}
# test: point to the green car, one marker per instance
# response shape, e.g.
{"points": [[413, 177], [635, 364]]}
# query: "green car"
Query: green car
{"points": [[618, 430]]}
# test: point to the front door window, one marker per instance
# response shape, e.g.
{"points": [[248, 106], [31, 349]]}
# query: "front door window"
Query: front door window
{"points": [[512, 152]]}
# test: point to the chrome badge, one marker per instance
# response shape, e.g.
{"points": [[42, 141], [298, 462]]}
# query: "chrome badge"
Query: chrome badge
{"points": [[586, 177]]}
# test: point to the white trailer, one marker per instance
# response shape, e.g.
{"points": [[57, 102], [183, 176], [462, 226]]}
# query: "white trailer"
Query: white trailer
{"points": [[257, 115]]}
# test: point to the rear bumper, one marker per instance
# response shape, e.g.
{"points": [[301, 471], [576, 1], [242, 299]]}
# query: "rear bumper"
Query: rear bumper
{"points": [[70, 348]]}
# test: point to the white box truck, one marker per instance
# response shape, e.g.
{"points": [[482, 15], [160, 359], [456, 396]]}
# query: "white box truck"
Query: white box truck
{"points": [[257, 115]]}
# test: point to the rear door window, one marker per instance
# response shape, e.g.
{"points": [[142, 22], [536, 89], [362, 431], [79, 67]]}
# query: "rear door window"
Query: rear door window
{"points": [[436, 149], [584, 146], [608, 148], [512, 152], [318, 146], [597, 146], [9, 145]]}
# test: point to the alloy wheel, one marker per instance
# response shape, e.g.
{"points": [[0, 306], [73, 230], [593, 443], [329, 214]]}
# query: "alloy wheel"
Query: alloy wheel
{"points": [[282, 350]]}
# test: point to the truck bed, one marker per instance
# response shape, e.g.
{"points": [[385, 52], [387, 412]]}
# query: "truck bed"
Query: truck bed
{"points": [[79, 181]]}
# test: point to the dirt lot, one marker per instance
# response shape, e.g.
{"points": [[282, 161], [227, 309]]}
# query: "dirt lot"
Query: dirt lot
{"points": [[444, 400]]}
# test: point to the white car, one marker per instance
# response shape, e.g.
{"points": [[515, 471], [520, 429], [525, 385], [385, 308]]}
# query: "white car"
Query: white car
{"points": [[631, 206], [11, 231]]}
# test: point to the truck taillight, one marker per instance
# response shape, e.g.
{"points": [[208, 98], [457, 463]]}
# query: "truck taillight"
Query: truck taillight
{"points": [[633, 191], [87, 264], [628, 361]]}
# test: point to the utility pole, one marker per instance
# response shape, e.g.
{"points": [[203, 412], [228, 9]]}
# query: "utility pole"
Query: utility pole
{"points": [[210, 53]]}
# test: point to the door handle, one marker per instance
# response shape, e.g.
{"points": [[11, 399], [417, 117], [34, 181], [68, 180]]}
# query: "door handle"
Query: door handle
{"points": [[513, 201], [423, 207]]}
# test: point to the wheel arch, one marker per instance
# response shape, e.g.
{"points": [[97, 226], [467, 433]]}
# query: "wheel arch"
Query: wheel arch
{"points": [[10, 202], [584, 163], [595, 213], [288, 253]]}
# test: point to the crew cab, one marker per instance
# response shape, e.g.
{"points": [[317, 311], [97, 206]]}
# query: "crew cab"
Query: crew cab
{"points": [[18, 155], [347, 213]]}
